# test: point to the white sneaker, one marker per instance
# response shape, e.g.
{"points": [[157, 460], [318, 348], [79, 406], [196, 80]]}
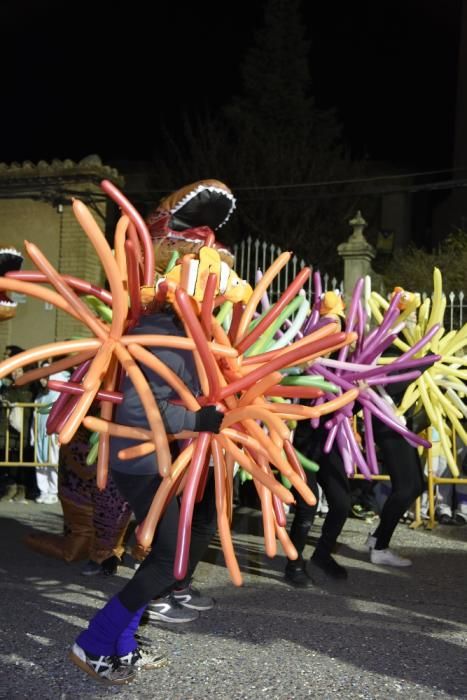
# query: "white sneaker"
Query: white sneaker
{"points": [[386, 557], [49, 498], [40, 499], [370, 542]]}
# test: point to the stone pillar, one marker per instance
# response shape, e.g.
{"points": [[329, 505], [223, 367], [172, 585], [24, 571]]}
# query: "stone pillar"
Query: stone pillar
{"points": [[357, 254]]}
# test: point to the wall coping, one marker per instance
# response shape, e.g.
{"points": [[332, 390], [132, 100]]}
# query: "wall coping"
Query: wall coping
{"points": [[27, 178]]}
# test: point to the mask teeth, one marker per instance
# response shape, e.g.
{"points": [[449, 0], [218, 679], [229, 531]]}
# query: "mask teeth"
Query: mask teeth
{"points": [[201, 188]]}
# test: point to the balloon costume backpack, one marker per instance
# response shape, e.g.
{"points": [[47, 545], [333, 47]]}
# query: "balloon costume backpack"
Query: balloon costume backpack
{"points": [[219, 313]]}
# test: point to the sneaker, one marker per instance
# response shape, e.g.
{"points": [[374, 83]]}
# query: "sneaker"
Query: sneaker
{"points": [[143, 659], [370, 542], [329, 566], [169, 610], [191, 598], [92, 568], [459, 519], [40, 499], [357, 511], [444, 519], [386, 557], [20, 495], [296, 574], [105, 668], [142, 641], [109, 567], [49, 499], [10, 493]]}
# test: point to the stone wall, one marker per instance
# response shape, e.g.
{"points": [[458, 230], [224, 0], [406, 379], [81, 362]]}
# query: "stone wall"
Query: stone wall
{"points": [[35, 205]]}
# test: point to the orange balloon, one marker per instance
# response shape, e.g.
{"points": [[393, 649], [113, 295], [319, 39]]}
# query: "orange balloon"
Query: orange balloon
{"points": [[208, 304], [136, 222], [177, 341], [265, 496], [260, 388], [34, 290], [197, 466], [293, 459], [289, 549], [99, 242], [245, 440], [249, 465], [136, 451], [42, 352], [258, 292], [107, 410], [99, 365], [76, 283], [94, 324], [119, 249], [289, 357], [125, 431], [323, 332], [276, 458], [274, 311], [147, 358], [223, 524], [83, 405], [54, 367], [196, 332], [146, 530], [151, 408], [256, 412]]}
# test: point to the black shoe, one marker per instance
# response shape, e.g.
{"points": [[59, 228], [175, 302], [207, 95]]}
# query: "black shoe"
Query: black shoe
{"points": [[191, 598], [458, 519], [91, 568], [295, 573], [169, 610], [110, 565], [445, 519], [330, 566]]}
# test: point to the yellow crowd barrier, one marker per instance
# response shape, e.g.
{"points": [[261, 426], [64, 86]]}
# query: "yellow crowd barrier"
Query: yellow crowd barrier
{"points": [[15, 445]]}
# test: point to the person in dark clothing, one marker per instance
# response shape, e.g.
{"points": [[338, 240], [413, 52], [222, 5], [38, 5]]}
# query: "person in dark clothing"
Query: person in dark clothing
{"points": [[402, 462], [333, 480], [107, 649]]}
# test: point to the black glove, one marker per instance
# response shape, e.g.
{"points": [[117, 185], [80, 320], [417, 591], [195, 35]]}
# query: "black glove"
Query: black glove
{"points": [[109, 566], [208, 420]]}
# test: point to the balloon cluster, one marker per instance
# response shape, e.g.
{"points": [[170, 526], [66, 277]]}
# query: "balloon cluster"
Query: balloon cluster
{"points": [[359, 365], [235, 370], [441, 390]]}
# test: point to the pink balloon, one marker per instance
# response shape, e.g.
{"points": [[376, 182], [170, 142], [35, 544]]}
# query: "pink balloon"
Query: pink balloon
{"points": [[198, 463]]}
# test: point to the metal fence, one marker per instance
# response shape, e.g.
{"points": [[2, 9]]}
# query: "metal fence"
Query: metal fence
{"points": [[456, 310], [252, 256]]}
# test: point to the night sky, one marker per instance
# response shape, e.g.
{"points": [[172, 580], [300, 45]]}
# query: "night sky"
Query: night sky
{"points": [[96, 82]]}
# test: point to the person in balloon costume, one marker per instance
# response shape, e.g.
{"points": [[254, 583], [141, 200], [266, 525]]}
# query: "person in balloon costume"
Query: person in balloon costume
{"points": [[113, 628], [332, 478], [402, 462], [177, 392]]}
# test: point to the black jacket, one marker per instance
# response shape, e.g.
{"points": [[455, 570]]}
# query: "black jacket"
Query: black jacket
{"points": [[131, 411]]}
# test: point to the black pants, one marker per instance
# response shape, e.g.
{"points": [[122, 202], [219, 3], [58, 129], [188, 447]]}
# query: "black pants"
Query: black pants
{"points": [[155, 575], [335, 484], [402, 462]]}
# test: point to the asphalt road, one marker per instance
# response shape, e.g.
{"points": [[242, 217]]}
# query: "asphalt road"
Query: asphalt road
{"points": [[384, 633]]}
